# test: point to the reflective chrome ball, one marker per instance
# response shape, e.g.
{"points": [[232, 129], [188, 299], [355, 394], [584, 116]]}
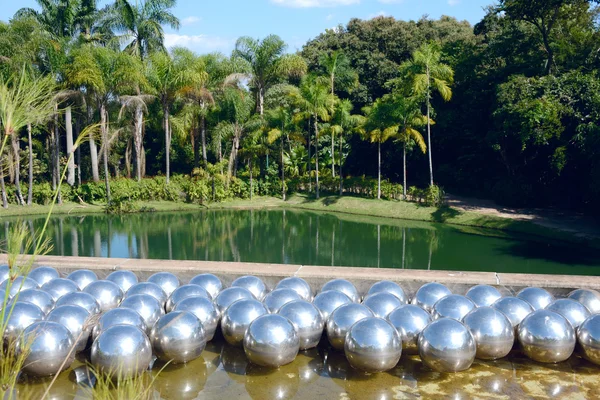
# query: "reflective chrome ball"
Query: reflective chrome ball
{"points": [[382, 303], [238, 317], [147, 306], [59, 287], [4, 271], [83, 277], [204, 309], [108, 294], [80, 299], [166, 280], [38, 297], [271, 341], [342, 319], [254, 284], [307, 320], [588, 336], [230, 295], [328, 301], [429, 294], [43, 274], [514, 308], [446, 345], [588, 297], [210, 282], [119, 316], [344, 286], [373, 345], [493, 332], [18, 284], [452, 306], [75, 319], [299, 285], [49, 345], [22, 316], [278, 297], [389, 287], [121, 351], [178, 337], [538, 298], [183, 292], [483, 295], [123, 279], [148, 288], [409, 320], [572, 310], [546, 337]]}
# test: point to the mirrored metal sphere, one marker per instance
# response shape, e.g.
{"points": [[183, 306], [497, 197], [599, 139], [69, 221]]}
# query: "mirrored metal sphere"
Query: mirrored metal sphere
{"points": [[22, 316], [409, 320], [4, 271], [238, 317], [493, 332], [38, 297], [210, 282], [328, 301], [546, 337], [122, 351], [452, 306], [108, 294], [204, 309], [373, 345], [80, 299], [588, 336], [429, 294], [59, 287], [83, 277], [514, 308], [588, 297], [382, 303], [389, 287], [119, 316], [342, 319], [49, 345], [344, 286], [271, 341], [446, 345], [145, 305], [123, 279], [183, 292], [254, 284], [538, 298], [75, 319], [166, 280], [4, 296], [483, 295], [18, 284], [43, 274], [278, 297], [572, 310], [297, 284], [307, 320], [178, 337], [148, 288], [230, 295]]}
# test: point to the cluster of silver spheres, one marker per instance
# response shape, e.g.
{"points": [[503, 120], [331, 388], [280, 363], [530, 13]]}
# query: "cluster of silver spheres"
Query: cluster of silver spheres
{"points": [[125, 324]]}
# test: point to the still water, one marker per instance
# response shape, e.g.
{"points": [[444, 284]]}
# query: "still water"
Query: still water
{"points": [[307, 238]]}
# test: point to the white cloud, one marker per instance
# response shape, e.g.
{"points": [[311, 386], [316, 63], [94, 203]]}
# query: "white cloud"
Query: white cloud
{"points": [[190, 20], [453, 2], [314, 3], [200, 43], [379, 14], [391, 1], [329, 17]]}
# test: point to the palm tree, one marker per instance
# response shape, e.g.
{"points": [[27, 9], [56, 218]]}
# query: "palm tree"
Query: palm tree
{"points": [[280, 123], [137, 104], [428, 74]]}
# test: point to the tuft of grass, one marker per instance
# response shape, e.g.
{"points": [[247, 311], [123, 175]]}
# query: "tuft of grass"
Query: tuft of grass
{"points": [[113, 385]]}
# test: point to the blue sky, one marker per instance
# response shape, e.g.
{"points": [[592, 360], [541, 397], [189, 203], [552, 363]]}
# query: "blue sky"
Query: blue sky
{"points": [[214, 25]]}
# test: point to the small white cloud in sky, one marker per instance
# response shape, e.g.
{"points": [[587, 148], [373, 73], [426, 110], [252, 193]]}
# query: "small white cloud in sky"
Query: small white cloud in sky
{"points": [[314, 3], [329, 17], [200, 43], [453, 2], [190, 20], [391, 1]]}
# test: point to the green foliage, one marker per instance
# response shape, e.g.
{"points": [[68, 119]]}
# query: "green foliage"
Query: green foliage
{"points": [[431, 196]]}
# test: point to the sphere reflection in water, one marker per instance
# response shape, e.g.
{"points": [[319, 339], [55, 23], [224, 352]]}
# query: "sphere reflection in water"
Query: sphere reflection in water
{"points": [[271, 341], [59, 287], [119, 316], [22, 316], [342, 319], [38, 297], [306, 319], [147, 306], [230, 295], [18, 284], [178, 337], [446, 345], [382, 303], [43, 274], [429, 294], [298, 285], [108, 294], [121, 351], [572, 310], [409, 320], [373, 345], [238, 317], [389, 287], [75, 319], [265, 383], [234, 362], [254, 284], [80, 299], [538, 298], [588, 297], [493, 332], [588, 336], [83, 277], [183, 292], [181, 381], [148, 288], [123, 279], [452, 306], [328, 301], [278, 298], [514, 308], [49, 344], [204, 309], [483, 295], [210, 282], [547, 337], [167, 281], [344, 286]]}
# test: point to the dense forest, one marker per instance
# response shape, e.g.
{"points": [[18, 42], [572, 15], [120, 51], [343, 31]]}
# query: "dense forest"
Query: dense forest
{"points": [[508, 109]]}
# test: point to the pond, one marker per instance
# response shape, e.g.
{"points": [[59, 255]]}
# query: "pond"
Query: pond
{"points": [[308, 238]]}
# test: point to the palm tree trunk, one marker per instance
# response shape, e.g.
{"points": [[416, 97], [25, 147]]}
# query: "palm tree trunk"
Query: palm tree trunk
{"points": [[94, 160], [203, 138], [30, 172], [138, 138], [2, 187], [341, 176], [261, 100], [104, 127], [332, 155], [404, 170], [17, 165], [78, 151], [282, 170], [196, 145], [379, 170], [56, 152], [309, 161], [429, 132], [233, 155], [316, 157], [128, 159], [167, 143], [71, 160], [251, 182]]}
